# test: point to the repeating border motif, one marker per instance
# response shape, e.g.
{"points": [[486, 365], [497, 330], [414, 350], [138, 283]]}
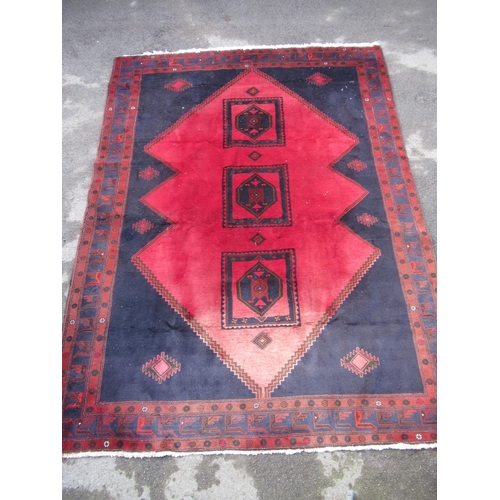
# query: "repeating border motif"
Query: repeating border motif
{"points": [[322, 420]]}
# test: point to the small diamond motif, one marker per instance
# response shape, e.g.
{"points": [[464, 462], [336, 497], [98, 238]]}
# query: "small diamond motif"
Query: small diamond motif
{"points": [[178, 85], [359, 362], [143, 226], [258, 239], [253, 91], [357, 165], [262, 340], [254, 155], [367, 219], [148, 173], [319, 79], [161, 367]]}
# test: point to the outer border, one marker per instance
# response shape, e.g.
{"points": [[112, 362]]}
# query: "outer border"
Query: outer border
{"points": [[411, 242]]}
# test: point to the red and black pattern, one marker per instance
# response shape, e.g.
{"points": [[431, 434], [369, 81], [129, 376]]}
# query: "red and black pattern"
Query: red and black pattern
{"points": [[100, 410], [178, 85], [253, 283], [256, 196], [253, 122]]}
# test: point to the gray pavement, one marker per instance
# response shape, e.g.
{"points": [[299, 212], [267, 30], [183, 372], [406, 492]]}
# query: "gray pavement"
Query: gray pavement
{"points": [[94, 33]]}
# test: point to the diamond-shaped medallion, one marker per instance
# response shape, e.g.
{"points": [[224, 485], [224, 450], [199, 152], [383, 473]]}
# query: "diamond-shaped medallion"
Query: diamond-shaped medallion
{"points": [[336, 278], [259, 289], [254, 122], [256, 195]]}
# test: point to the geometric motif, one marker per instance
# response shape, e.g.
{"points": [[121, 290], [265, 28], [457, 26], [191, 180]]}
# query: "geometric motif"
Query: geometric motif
{"points": [[110, 418], [258, 239], [254, 155], [178, 85], [259, 289], [143, 226], [148, 173], [367, 219], [319, 79], [251, 122], [105, 398], [359, 362], [253, 91], [357, 165], [202, 228], [255, 284], [256, 196], [262, 340], [161, 367]]}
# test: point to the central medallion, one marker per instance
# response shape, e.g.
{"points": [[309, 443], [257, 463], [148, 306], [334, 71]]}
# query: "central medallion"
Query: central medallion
{"points": [[254, 122], [256, 195], [255, 267], [259, 289]]}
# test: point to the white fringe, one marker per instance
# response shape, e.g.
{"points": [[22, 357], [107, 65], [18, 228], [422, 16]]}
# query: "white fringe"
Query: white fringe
{"points": [[255, 47], [152, 454]]}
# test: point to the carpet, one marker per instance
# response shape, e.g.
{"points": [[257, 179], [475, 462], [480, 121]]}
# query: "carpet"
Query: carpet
{"points": [[253, 273]]}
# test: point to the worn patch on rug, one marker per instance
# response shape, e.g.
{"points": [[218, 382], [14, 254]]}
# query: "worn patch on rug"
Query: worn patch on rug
{"points": [[253, 272]]}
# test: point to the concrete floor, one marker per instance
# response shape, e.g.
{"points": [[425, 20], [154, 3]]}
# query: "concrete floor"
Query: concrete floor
{"points": [[96, 31]]}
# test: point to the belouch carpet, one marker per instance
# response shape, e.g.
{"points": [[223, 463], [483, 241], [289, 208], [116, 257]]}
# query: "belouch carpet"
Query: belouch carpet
{"points": [[253, 272]]}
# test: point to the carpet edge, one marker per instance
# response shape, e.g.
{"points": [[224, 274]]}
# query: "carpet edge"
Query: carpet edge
{"points": [[256, 47], [383, 447]]}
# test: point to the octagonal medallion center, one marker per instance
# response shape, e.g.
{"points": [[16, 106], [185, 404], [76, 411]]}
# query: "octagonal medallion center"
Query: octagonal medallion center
{"points": [[256, 195], [259, 289], [254, 121]]}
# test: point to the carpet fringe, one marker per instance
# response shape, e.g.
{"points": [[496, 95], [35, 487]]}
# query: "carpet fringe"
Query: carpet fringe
{"points": [[153, 454], [255, 47]]}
